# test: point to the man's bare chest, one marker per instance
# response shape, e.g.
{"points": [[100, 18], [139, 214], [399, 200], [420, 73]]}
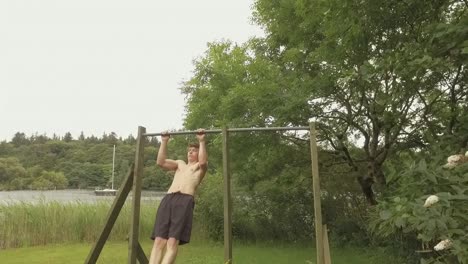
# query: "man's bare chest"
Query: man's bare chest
{"points": [[188, 171]]}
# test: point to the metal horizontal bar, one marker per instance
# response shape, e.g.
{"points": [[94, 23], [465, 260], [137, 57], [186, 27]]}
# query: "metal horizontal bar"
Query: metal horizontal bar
{"points": [[188, 132], [212, 131], [266, 129]]}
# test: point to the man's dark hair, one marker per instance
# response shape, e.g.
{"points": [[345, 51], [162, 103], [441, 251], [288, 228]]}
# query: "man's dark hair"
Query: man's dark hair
{"points": [[194, 145]]}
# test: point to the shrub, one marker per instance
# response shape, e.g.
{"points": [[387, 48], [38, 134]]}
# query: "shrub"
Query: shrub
{"points": [[403, 212]]}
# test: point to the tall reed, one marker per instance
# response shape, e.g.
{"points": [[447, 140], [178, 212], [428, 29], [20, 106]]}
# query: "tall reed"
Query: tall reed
{"points": [[28, 224]]}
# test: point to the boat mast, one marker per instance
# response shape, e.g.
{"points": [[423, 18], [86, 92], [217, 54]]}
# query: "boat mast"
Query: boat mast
{"points": [[113, 164]]}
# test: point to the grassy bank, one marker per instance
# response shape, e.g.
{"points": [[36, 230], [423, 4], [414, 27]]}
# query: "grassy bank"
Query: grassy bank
{"points": [[195, 253], [54, 232], [26, 224]]}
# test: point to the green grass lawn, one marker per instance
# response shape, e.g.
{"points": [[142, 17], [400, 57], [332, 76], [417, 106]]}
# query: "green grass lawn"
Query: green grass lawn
{"points": [[193, 253]]}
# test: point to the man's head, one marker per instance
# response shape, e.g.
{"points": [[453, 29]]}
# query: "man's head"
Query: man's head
{"points": [[192, 152]]}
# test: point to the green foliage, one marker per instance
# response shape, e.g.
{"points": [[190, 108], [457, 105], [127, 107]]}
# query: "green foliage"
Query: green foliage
{"points": [[272, 193], [402, 212], [157, 179], [13, 176], [209, 206], [20, 139], [10, 168], [50, 180], [391, 75], [12, 173], [379, 78]]}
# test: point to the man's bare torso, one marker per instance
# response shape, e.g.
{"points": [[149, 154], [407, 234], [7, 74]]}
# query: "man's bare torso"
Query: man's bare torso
{"points": [[186, 179]]}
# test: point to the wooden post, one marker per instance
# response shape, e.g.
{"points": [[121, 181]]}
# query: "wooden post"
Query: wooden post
{"points": [[227, 201], [326, 246], [317, 196], [111, 218], [137, 175]]}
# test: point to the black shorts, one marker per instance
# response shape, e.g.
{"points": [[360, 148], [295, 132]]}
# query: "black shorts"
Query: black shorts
{"points": [[174, 217]]}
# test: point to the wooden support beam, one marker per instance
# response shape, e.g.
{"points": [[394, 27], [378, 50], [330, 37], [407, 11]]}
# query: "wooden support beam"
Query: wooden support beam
{"points": [[111, 217], [326, 246], [317, 194], [142, 259], [227, 200], [137, 176]]}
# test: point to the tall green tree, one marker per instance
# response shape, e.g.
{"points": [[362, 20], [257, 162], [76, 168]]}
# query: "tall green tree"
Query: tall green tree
{"points": [[11, 170], [369, 73], [19, 139], [68, 137]]}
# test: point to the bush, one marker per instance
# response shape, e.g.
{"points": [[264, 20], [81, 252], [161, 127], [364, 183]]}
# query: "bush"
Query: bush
{"points": [[209, 206], [403, 211], [346, 217], [269, 212]]}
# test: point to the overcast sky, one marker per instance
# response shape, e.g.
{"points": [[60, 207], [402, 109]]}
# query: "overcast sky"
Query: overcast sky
{"points": [[106, 65]]}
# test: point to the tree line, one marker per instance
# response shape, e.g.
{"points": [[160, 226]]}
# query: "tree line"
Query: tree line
{"points": [[39, 162]]}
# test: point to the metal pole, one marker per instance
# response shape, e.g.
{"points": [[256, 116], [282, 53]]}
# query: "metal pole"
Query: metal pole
{"points": [[317, 196], [212, 131], [227, 201], [252, 129]]}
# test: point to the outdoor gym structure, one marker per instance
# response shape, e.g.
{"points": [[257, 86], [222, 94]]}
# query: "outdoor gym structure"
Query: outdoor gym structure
{"points": [[134, 177]]}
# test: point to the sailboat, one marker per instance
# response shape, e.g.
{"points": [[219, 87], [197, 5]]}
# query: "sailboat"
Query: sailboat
{"points": [[111, 191]]}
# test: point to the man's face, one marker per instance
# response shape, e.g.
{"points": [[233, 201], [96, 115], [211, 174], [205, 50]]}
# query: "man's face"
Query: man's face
{"points": [[192, 154]]}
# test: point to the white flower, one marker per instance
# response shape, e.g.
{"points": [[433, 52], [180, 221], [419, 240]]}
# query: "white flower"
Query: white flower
{"points": [[454, 158], [444, 244], [431, 200]]}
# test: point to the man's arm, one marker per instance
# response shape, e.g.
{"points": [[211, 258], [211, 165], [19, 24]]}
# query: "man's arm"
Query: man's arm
{"points": [[202, 154], [161, 160]]}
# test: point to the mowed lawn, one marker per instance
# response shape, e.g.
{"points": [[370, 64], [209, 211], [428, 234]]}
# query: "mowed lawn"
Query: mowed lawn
{"points": [[194, 253]]}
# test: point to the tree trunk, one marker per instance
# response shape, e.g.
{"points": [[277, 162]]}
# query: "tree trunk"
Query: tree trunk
{"points": [[374, 175]]}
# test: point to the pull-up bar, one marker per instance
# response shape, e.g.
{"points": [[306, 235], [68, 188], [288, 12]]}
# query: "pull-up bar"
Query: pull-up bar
{"points": [[227, 187], [134, 180], [214, 131]]}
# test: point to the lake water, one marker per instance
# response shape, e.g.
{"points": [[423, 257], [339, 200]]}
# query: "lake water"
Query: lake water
{"points": [[69, 196]]}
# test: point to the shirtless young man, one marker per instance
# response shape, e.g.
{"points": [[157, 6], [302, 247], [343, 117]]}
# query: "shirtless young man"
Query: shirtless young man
{"points": [[174, 217]]}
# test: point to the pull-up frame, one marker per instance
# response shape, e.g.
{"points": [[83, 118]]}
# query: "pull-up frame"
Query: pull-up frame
{"points": [[135, 175]]}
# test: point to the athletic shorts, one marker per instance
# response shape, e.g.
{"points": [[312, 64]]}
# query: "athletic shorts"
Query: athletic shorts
{"points": [[174, 217]]}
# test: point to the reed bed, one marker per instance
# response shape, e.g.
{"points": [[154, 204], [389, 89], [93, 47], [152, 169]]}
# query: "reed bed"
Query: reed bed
{"points": [[42, 223]]}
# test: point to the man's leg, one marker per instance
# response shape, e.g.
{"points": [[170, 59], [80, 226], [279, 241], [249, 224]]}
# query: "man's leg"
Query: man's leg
{"points": [[157, 250], [171, 251]]}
